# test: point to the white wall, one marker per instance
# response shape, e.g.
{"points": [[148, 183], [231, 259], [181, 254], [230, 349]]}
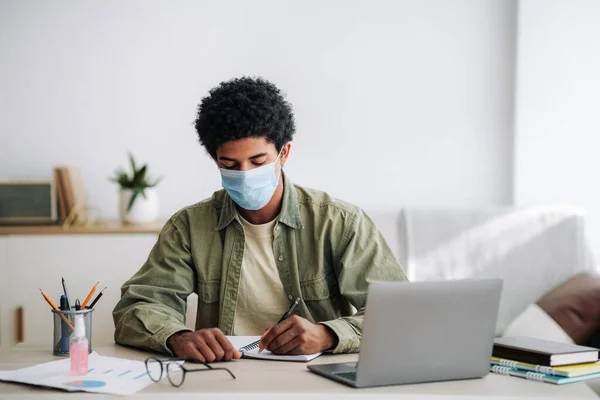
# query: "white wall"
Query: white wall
{"points": [[397, 102], [557, 142]]}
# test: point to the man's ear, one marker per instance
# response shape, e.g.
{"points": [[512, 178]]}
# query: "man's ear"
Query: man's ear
{"points": [[285, 152]]}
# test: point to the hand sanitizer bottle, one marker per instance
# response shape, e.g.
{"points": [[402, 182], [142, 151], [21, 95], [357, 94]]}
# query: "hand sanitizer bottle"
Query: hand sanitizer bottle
{"points": [[79, 347]]}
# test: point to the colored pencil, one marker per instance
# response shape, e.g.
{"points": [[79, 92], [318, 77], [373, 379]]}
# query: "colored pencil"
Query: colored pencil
{"points": [[89, 296], [53, 305]]}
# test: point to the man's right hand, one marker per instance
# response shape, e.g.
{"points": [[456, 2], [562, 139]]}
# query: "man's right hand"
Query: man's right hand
{"points": [[205, 345]]}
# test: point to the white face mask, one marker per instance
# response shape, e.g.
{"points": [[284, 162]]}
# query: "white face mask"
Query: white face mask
{"points": [[251, 189]]}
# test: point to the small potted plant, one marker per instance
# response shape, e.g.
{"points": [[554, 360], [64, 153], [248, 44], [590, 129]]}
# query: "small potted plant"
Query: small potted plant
{"points": [[138, 198]]}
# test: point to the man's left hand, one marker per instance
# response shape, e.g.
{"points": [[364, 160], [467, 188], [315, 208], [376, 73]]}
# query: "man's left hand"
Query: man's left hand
{"points": [[296, 335]]}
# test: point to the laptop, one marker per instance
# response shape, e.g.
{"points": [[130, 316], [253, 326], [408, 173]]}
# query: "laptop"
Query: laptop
{"points": [[423, 332]]}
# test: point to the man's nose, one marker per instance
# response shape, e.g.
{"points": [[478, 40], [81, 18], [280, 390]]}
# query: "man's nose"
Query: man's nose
{"points": [[245, 166]]}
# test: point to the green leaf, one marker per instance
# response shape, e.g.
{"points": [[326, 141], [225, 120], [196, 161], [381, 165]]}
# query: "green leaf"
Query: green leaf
{"points": [[137, 180], [132, 199], [155, 182], [132, 162], [140, 176]]}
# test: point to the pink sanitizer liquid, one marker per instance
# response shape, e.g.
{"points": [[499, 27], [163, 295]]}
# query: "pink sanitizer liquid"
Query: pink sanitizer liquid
{"points": [[78, 348]]}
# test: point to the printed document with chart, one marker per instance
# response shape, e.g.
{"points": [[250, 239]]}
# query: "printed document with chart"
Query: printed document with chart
{"points": [[105, 375]]}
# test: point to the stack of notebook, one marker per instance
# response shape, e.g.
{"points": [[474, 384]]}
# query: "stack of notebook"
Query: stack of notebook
{"points": [[544, 360]]}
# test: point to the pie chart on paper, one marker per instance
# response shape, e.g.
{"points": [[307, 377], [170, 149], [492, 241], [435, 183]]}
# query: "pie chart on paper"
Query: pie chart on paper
{"points": [[86, 384]]}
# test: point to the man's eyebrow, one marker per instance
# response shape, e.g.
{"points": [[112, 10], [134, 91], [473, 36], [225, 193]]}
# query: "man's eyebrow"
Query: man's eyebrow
{"points": [[258, 156], [251, 158]]}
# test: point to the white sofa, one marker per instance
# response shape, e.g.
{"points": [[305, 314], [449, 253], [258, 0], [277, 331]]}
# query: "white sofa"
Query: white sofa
{"points": [[532, 249]]}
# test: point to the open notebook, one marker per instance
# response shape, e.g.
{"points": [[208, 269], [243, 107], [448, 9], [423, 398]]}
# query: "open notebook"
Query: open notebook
{"points": [[242, 343]]}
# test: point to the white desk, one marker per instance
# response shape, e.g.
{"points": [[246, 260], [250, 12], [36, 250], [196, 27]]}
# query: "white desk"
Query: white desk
{"points": [[284, 381]]}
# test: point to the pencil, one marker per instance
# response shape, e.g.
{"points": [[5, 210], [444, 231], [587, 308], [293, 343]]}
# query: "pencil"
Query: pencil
{"points": [[96, 299], [53, 305], [49, 300], [89, 296]]}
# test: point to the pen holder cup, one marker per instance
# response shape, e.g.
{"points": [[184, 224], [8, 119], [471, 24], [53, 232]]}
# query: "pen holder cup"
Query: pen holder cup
{"points": [[64, 323]]}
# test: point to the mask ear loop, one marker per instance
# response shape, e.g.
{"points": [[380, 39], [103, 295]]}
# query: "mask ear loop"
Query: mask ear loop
{"points": [[280, 166]]}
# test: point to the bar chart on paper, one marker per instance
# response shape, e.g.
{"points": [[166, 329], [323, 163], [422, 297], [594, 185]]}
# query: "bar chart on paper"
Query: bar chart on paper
{"points": [[105, 375]]}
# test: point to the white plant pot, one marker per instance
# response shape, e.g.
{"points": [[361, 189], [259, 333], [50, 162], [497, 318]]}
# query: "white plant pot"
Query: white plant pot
{"points": [[144, 210]]}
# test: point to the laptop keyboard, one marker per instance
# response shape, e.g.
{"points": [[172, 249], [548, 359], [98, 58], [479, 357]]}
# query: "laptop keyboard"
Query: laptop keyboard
{"points": [[348, 375]]}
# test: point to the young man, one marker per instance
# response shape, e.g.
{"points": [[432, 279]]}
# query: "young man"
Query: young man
{"points": [[254, 247]]}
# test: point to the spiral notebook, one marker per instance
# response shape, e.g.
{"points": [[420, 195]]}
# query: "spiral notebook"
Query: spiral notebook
{"points": [[248, 346], [540, 377], [569, 371]]}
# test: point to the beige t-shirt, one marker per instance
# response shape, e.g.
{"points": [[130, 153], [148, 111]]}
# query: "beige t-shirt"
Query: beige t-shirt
{"points": [[261, 297]]}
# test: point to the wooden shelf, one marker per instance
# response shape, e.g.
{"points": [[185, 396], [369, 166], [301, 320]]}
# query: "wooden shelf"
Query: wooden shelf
{"points": [[99, 227]]}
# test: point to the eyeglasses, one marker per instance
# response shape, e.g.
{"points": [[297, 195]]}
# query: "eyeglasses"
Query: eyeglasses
{"points": [[174, 369]]}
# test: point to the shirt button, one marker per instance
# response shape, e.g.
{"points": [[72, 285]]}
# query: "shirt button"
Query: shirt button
{"points": [[280, 258], [290, 297]]}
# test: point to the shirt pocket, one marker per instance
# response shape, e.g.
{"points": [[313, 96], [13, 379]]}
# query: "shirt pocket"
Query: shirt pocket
{"points": [[208, 304], [208, 291], [316, 289], [320, 296]]}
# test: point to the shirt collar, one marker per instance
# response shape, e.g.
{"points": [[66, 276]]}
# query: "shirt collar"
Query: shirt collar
{"points": [[290, 209]]}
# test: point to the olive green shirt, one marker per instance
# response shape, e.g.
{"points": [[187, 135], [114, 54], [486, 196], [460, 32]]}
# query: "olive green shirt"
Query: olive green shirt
{"points": [[327, 252]]}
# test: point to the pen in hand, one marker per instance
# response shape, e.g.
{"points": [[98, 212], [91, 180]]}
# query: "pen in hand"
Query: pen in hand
{"points": [[287, 314]]}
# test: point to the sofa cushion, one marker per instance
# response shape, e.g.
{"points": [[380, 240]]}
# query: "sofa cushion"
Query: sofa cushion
{"points": [[575, 306]]}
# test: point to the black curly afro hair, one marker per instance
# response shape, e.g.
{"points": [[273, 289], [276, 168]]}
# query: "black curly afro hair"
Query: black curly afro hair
{"points": [[244, 107]]}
